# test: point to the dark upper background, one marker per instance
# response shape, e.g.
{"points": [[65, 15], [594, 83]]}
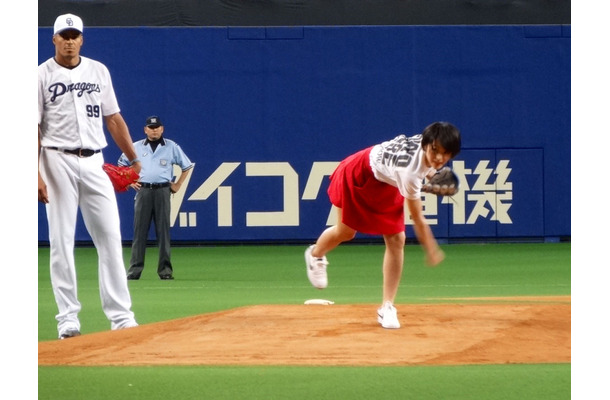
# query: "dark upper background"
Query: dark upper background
{"points": [[307, 12], [498, 69]]}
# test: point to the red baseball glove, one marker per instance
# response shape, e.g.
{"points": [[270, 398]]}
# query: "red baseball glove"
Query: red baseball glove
{"points": [[121, 177]]}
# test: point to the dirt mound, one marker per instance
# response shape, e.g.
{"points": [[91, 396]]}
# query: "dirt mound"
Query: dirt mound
{"points": [[493, 332]]}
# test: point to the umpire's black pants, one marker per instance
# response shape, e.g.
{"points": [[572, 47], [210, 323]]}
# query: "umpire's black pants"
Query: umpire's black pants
{"points": [[151, 204]]}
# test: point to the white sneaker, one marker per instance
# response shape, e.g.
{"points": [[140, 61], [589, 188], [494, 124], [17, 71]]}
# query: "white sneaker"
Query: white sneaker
{"points": [[316, 269], [387, 316], [69, 333]]}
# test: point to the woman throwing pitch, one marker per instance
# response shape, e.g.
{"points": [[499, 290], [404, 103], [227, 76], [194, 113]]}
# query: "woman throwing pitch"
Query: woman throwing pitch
{"points": [[369, 189]]}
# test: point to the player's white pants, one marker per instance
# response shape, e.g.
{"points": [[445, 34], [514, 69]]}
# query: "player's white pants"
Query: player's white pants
{"points": [[74, 182]]}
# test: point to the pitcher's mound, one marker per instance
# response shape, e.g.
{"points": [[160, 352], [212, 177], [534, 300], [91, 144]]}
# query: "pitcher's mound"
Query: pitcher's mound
{"points": [[469, 333]]}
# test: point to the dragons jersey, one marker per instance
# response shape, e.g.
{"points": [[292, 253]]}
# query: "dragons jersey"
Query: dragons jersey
{"points": [[73, 103], [400, 163]]}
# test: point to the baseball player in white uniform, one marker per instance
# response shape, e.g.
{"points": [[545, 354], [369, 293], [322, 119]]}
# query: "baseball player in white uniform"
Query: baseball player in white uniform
{"points": [[75, 94]]}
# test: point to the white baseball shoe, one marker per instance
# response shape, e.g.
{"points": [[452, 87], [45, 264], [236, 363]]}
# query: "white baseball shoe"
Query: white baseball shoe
{"points": [[69, 333], [387, 316], [316, 269]]}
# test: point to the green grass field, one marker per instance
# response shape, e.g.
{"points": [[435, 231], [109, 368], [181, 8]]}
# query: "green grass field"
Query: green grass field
{"points": [[213, 278]]}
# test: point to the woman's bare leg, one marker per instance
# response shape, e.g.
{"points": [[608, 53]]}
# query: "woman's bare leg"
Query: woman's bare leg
{"points": [[393, 259], [332, 237]]}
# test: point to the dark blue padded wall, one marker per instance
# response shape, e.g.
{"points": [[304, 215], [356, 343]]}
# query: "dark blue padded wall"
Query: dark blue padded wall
{"points": [[266, 113]]}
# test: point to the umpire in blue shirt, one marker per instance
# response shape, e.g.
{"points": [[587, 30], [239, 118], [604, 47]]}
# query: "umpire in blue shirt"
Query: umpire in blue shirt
{"points": [[158, 156]]}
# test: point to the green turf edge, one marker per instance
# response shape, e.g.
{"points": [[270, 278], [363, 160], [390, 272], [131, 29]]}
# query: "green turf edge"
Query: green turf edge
{"points": [[489, 382], [211, 279], [470, 270]]}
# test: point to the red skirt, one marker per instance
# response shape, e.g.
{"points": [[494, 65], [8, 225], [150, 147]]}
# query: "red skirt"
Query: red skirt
{"points": [[369, 206]]}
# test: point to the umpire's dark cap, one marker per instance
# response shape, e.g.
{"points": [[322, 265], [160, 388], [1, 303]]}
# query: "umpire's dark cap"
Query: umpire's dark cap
{"points": [[153, 121]]}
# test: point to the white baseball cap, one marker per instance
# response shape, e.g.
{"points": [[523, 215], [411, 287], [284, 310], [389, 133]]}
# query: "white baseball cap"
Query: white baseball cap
{"points": [[67, 21]]}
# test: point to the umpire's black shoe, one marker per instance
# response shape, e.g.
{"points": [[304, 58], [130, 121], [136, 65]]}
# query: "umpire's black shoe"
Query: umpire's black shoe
{"points": [[166, 277], [131, 277]]}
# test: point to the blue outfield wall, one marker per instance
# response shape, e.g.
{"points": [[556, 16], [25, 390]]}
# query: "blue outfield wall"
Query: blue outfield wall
{"points": [[267, 113]]}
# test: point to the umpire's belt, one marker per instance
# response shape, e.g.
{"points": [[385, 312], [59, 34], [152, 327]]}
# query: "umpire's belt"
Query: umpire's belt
{"points": [[154, 185], [77, 152]]}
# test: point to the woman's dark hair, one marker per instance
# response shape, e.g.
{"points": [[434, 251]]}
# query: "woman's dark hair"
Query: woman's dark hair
{"points": [[447, 135]]}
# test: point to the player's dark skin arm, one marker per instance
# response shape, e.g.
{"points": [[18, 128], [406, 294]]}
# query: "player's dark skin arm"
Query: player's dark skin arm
{"points": [[43, 196], [120, 133]]}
